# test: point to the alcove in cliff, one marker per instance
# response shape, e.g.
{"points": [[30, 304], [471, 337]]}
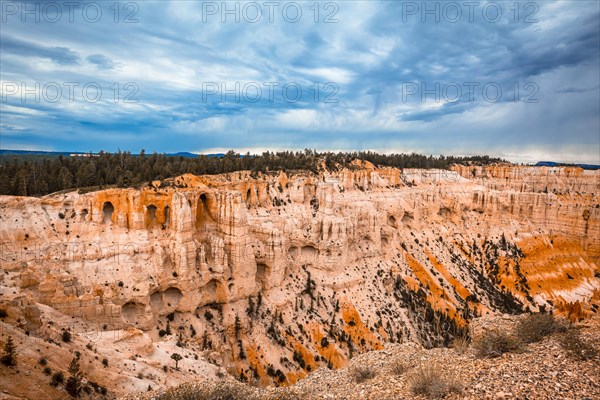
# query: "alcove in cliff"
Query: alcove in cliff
{"points": [[263, 272], [108, 209], [150, 215], [248, 195], [132, 312], [214, 292], [167, 214], [392, 221], [172, 296], [202, 210]]}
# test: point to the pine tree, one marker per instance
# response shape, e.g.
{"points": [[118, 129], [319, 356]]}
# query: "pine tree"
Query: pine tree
{"points": [[177, 357], [65, 178], [10, 353], [250, 309], [258, 301], [73, 386], [4, 183], [21, 183], [237, 327]]}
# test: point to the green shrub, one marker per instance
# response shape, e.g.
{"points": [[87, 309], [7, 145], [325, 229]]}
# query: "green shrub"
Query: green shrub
{"points": [[57, 378], [66, 336]]}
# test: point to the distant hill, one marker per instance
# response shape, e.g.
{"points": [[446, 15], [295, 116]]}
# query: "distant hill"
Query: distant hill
{"points": [[555, 164], [6, 152]]}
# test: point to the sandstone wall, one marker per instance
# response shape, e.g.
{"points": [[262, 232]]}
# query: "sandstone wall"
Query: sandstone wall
{"points": [[416, 244]]}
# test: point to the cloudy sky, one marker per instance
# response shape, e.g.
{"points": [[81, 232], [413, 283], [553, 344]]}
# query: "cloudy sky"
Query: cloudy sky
{"points": [[520, 82]]}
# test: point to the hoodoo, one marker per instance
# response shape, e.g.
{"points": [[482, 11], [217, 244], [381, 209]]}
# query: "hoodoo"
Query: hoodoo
{"points": [[273, 276]]}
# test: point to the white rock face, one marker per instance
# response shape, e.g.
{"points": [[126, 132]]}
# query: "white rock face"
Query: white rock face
{"points": [[368, 237]]}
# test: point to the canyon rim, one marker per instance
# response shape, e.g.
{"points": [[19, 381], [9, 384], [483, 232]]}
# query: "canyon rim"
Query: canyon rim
{"points": [[267, 277]]}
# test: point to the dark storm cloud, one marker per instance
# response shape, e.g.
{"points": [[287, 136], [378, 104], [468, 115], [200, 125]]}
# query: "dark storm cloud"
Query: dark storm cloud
{"points": [[60, 55], [100, 61], [372, 55]]}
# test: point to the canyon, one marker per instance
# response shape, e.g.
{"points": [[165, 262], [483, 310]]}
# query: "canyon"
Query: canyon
{"points": [[268, 277]]}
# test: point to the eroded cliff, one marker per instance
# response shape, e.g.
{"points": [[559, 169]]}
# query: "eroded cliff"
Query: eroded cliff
{"points": [[272, 276]]}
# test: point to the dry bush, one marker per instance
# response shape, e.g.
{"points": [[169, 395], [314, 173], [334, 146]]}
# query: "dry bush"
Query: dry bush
{"points": [[361, 373], [495, 343], [432, 383], [461, 344], [210, 391], [398, 366], [534, 327], [576, 347]]}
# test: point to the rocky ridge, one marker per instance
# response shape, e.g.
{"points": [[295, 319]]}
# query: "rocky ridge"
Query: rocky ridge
{"points": [[271, 277], [542, 370]]}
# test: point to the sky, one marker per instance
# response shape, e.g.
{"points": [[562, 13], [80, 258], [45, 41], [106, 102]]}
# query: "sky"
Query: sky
{"points": [[518, 80]]}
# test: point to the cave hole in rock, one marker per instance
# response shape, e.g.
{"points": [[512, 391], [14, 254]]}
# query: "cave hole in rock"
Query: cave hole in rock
{"points": [[392, 220], [263, 272], [151, 215], [248, 194], [214, 292], [308, 252], [172, 296], [84, 214], [132, 312], [167, 214], [293, 252], [407, 217], [156, 302], [202, 213], [231, 288], [108, 209]]}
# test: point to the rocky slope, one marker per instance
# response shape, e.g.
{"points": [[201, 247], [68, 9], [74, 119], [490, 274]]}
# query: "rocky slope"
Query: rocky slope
{"points": [[538, 371], [273, 276]]}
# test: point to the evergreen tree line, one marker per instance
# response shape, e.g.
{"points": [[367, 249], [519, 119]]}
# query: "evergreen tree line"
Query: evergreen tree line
{"points": [[27, 177]]}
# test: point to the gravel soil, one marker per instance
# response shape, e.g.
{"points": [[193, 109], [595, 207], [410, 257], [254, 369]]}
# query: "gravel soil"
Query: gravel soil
{"points": [[542, 370]]}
